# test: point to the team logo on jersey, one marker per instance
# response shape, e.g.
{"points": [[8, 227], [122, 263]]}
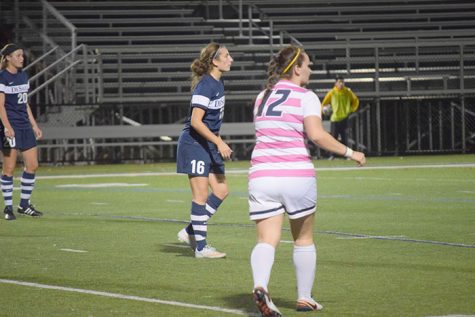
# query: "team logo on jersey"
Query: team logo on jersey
{"points": [[217, 104], [14, 89]]}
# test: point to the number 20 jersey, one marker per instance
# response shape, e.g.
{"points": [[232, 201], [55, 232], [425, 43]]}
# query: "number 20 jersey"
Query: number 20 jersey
{"points": [[15, 87], [281, 149]]}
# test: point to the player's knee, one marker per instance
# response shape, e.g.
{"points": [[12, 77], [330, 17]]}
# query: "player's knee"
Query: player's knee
{"points": [[31, 168], [8, 169]]}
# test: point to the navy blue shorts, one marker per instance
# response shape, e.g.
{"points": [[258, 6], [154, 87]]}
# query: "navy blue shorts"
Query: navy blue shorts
{"points": [[197, 158], [24, 139]]}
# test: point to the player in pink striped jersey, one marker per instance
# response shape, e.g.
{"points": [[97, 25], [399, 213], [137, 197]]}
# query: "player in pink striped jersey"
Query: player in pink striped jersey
{"points": [[282, 176]]}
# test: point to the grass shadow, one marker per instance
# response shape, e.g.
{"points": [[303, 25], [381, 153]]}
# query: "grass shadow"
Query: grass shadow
{"points": [[179, 249]]}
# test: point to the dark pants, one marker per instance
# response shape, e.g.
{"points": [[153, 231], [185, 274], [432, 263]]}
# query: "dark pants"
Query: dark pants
{"points": [[340, 128]]}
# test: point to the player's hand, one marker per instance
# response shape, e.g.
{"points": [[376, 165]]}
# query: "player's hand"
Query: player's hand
{"points": [[9, 133], [224, 150], [359, 157], [38, 133]]}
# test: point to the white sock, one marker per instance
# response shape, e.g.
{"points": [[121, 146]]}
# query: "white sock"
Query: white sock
{"points": [[262, 259], [305, 262]]}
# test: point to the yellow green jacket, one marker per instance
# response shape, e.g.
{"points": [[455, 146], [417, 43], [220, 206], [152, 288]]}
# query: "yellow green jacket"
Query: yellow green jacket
{"points": [[343, 102]]}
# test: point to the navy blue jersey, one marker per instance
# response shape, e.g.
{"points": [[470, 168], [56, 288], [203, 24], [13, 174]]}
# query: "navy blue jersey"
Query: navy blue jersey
{"points": [[15, 87], [209, 96]]}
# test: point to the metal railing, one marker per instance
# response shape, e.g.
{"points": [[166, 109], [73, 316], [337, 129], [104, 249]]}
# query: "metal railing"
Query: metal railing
{"points": [[47, 27], [263, 26], [66, 64]]}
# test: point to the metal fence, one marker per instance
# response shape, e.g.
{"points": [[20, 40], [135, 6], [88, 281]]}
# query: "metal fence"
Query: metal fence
{"points": [[414, 126]]}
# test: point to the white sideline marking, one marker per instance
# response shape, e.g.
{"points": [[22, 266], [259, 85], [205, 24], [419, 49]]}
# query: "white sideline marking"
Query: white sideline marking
{"points": [[100, 185], [73, 250], [245, 171], [174, 201], [121, 296], [286, 241], [369, 237], [454, 316], [98, 203]]}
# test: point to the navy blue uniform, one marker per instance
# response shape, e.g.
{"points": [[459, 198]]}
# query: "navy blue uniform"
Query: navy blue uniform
{"points": [[195, 155], [15, 88]]}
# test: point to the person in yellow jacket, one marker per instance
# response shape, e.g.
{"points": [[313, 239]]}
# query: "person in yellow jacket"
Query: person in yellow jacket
{"points": [[340, 102]]}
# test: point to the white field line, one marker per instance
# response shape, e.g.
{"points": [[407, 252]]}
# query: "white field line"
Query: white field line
{"points": [[121, 296], [100, 185], [286, 241], [245, 171], [453, 316], [73, 250]]}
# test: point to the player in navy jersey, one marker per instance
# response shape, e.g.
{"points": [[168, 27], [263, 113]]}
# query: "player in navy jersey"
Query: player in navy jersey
{"points": [[201, 150], [18, 131]]}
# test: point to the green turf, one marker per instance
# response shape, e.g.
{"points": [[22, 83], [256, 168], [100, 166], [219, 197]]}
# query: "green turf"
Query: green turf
{"points": [[132, 250]]}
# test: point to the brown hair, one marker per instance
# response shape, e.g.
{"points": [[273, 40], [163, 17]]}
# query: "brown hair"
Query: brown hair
{"points": [[204, 64], [3, 63], [281, 64]]}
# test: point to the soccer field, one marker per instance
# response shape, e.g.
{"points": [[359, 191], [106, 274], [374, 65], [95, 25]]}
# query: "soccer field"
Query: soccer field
{"points": [[396, 238]]}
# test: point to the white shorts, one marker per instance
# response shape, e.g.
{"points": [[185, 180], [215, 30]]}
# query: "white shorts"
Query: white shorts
{"points": [[271, 196]]}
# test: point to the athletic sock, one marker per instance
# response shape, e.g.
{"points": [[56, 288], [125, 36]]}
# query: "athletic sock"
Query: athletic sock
{"points": [[262, 259], [27, 184], [212, 205], [7, 190], [305, 262], [199, 221], [189, 229]]}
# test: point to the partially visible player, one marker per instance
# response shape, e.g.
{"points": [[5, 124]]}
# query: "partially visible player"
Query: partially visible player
{"points": [[282, 176], [201, 150], [340, 102], [18, 131]]}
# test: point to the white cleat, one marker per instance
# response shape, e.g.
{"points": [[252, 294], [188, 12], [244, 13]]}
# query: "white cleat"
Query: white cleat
{"points": [[306, 304], [209, 252], [264, 304], [184, 237]]}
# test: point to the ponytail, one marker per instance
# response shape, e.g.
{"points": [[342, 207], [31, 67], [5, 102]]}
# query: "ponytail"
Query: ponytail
{"points": [[280, 66], [204, 64]]}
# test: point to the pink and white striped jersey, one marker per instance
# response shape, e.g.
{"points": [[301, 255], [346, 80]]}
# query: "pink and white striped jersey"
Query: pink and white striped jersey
{"points": [[281, 149]]}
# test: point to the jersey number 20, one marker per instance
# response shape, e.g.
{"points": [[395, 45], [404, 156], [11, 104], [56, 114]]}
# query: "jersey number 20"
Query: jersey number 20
{"points": [[22, 98]]}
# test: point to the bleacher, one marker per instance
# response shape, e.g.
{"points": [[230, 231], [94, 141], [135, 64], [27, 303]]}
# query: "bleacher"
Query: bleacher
{"points": [[389, 51]]}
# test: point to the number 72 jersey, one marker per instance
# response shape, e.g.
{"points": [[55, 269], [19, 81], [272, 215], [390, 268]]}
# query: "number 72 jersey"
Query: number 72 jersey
{"points": [[281, 149], [15, 87]]}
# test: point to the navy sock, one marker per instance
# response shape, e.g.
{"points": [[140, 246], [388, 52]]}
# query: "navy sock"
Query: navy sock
{"points": [[199, 221], [212, 204], [27, 184], [189, 229], [7, 190]]}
